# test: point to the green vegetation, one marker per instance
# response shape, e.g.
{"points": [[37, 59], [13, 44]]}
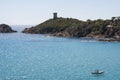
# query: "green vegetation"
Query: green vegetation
{"points": [[69, 27], [57, 25]]}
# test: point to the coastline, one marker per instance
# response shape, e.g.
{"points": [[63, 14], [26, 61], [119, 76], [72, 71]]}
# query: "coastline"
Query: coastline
{"points": [[102, 39], [104, 30]]}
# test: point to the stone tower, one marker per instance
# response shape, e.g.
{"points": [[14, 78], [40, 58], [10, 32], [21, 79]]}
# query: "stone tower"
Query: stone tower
{"points": [[54, 15]]}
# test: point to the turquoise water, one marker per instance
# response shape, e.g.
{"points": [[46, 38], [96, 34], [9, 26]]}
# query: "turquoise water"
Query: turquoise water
{"points": [[40, 57]]}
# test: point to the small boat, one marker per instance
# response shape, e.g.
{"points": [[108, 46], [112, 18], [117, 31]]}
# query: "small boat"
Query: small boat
{"points": [[97, 72]]}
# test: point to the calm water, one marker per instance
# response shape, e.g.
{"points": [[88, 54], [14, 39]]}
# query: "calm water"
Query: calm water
{"points": [[40, 57]]}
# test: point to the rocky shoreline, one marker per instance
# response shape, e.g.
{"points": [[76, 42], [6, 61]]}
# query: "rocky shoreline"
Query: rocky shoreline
{"points": [[98, 38], [6, 29]]}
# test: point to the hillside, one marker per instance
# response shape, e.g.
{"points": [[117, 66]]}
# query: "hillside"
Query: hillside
{"points": [[54, 25], [68, 27]]}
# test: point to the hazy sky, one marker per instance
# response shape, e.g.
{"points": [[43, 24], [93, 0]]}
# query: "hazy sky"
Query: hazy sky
{"points": [[32, 12]]}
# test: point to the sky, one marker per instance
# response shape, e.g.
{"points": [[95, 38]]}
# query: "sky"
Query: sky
{"points": [[33, 12]]}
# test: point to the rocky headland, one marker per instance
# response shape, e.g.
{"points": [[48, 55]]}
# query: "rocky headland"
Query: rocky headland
{"points": [[6, 29], [105, 30]]}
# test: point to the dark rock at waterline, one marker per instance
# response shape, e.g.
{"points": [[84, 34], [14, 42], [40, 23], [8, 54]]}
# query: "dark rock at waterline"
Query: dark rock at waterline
{"points": [[31, 30], [6, 29], [109, 39]]}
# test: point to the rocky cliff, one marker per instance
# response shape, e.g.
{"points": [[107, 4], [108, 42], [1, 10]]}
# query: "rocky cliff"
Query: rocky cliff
{"points": [[6, 29]]}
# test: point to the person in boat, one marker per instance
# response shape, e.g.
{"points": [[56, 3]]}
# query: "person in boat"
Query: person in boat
{"points": [[97, 71]]}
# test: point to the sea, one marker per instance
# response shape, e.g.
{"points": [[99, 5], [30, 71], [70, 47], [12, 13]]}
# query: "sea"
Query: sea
{"points": [[42, 57]]}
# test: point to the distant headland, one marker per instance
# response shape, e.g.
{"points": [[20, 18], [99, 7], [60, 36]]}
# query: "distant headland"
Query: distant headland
{"points": [[105, 30], [6, 29]]}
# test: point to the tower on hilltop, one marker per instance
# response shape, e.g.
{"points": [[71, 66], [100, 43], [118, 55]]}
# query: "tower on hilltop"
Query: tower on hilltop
{"points": [[55, 15]]}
